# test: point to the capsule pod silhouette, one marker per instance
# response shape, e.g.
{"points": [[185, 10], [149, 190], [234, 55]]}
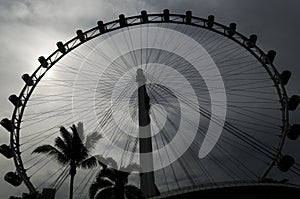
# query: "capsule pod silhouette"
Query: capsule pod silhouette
{"points": [[16, 101], [30, 196], [61, 47], [285, 163], [166, 15], [7, 124], [293, 102], [80, 35], [210, 21], [251, 42], [27, 79], [122, 20], [231, 30], [270, 56], [43, 61], [101, 27], [188, 17], [144, 16], [294, 132], [48, 193], [13, 179], [285, 76], [6, 151]]}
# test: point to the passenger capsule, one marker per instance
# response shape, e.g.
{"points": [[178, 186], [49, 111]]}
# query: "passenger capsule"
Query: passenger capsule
{"points": [[251, 42], [80, 35], [16, 101], [7, 124], [48, 193], [144, 16], [188, 17], [231, 30], [285, 76], [27, 79], [294, 132], [13, 179], [270, 56], [101, 27], [6, 151], [253, 39], [122, 20], [285, 163], [43, 61], [61, 47], [210, 21], [293, 102], [30, 196], [166, 15]]}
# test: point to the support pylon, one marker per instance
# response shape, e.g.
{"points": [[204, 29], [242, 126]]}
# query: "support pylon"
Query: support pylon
{"points": [[147, 180]]}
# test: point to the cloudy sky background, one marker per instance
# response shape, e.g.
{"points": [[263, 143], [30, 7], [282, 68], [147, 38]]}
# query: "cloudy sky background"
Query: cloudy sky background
{"points": [[29, 29]]}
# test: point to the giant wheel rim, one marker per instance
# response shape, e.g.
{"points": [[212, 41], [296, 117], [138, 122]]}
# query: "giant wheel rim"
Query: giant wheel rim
{"points": [[134, 21]]}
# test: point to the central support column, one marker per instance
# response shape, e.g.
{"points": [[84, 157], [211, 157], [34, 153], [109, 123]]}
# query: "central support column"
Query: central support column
{"points": [[146, 158]]}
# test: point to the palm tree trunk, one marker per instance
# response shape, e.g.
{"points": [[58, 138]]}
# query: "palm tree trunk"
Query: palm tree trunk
{"points": [[71, 186], [72, 174]]}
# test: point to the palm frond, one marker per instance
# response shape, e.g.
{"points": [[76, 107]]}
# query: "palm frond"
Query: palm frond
{"points": [[80, 152], [45, 149], [105, 193], [80, 130], [112, 183], [88, 163], [133, 192], [121, 177], [52, 151], [107, 173], [66, 135], [76, 139], [98, 185], [105, 162], [61, 145], [91, 140]]}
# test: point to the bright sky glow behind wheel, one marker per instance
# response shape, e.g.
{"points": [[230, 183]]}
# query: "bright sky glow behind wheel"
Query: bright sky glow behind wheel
{"points": [[250, 132]]}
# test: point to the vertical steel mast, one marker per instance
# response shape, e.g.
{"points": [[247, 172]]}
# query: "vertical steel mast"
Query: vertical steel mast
{"points": [[145, 143]]}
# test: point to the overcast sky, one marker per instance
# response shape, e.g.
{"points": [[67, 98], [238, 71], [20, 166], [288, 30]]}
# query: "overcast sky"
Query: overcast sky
{"points": [[30, 28]]}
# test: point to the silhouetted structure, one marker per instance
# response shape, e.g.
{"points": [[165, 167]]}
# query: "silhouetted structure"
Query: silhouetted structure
{"points": [[284, 162], [146, 178], [238, 191]]}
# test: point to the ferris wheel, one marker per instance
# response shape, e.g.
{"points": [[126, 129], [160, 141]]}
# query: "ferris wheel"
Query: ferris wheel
{"points": [[192, 101]]}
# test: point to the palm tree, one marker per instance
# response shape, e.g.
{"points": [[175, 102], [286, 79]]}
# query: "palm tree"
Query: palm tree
{"points": [[111, 184], [69, 150]]}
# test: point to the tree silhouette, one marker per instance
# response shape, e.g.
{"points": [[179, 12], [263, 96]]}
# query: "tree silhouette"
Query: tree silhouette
{"points": [[69, 150], [111, 183]]}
